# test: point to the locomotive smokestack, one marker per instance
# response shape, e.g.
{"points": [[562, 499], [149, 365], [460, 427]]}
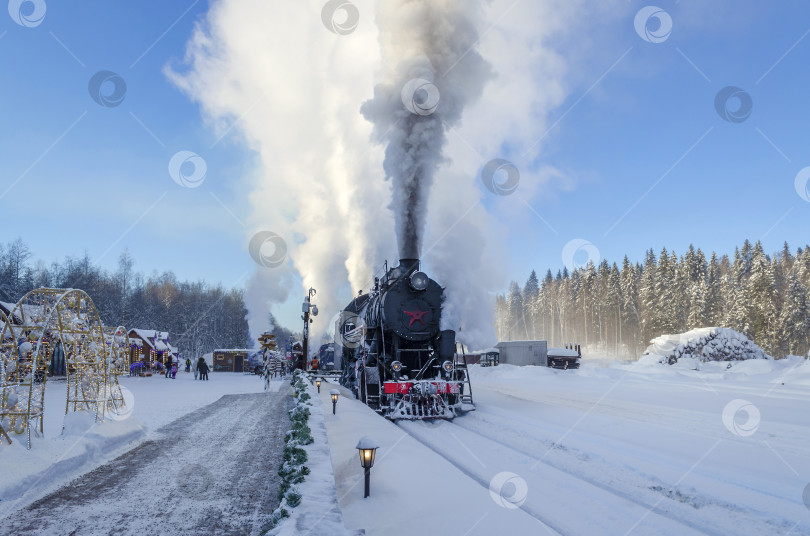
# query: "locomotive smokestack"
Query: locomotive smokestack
{"points": [[408, 266]]}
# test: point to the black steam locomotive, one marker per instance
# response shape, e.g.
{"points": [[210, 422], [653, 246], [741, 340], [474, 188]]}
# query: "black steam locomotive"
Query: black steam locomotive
{"points": [[395, 357]]}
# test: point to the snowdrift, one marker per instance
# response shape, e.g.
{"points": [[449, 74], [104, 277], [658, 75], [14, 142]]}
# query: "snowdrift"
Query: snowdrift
{"points": [[704, 344]]}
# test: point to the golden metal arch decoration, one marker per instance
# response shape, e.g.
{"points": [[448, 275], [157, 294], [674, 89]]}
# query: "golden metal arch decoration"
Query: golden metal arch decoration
{"points": [[42, 319], [117, 363]]}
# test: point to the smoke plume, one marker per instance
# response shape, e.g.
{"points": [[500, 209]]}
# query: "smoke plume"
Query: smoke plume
{"points": [[435, 71], [268, 76]]}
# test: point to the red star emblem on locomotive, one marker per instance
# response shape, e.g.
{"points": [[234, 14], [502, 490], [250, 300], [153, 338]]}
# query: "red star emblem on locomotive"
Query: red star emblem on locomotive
{"points": [[417, 316]]}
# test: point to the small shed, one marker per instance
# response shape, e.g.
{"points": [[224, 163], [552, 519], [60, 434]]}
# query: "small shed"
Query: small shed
{"points": [[230, 360], [523, 353], [564, 358]]}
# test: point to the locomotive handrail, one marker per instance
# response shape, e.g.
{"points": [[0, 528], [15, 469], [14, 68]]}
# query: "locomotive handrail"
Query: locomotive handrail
{"points": [[424, 368]]}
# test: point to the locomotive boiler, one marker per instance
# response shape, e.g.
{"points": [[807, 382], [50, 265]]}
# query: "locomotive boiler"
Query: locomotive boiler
{"points": [[395, 356]]}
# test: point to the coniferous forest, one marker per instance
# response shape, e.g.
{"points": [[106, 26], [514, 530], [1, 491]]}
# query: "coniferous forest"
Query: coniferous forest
{"points": [[198, 316], [617, 309]]}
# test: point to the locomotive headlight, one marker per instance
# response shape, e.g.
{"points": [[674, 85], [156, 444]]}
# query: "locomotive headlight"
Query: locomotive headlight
{"points": [[447, 367], [419, 280], [396, 367]]}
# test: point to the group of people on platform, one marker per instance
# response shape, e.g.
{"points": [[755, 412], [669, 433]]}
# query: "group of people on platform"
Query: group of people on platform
{"points": [[200, 368]]}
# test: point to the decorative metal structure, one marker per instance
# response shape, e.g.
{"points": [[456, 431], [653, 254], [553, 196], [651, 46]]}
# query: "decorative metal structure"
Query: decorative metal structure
{"points": [[42, 320], [117, 345]]}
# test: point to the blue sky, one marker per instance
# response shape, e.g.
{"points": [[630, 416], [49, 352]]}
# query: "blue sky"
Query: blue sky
{"points": [[647, 159]]}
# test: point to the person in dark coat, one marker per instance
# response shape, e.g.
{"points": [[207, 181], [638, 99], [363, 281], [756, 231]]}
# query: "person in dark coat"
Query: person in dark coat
{"points": [[168, 366], [203, 368]]}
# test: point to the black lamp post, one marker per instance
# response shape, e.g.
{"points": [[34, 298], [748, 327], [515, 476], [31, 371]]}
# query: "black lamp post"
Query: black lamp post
{"points": [[318, 384], [308, 308], [334, 393], [367, 448]]}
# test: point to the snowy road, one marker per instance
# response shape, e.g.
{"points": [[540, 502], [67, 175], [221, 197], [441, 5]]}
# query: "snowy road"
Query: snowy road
{"points": [[211, 472]]}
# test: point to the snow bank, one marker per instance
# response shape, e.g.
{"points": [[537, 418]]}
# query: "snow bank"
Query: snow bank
{"points": [[84, 445], [414, 490], [318, 511], [703, 344]]}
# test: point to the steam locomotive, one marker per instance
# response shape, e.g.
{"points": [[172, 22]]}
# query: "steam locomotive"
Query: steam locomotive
{"points": [[395, 357]]}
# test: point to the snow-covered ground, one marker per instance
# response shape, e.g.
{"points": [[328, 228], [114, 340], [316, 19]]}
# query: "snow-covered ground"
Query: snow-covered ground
{"points": [[611, 448], [637, 448], [58, 458]]}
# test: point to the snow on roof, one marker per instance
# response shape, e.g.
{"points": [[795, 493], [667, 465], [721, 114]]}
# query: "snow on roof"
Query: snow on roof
{"points": [[562, 352], [517, 343], [29, 310], [157, 340]]}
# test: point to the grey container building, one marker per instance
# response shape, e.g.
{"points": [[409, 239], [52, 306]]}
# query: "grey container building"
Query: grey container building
{"points": [[523, 353]]}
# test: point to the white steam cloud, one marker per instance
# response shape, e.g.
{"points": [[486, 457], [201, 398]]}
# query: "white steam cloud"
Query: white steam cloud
{"points": [[271, 76]]}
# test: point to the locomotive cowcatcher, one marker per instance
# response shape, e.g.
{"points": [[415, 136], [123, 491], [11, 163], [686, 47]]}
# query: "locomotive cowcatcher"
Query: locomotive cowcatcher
{"points": [[395, 357]]}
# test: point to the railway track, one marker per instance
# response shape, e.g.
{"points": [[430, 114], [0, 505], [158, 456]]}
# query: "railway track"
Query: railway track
{"points": [[651, 516]]}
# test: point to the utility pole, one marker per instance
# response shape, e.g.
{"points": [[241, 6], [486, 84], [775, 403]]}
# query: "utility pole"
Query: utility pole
{"points": [[308, 308]]}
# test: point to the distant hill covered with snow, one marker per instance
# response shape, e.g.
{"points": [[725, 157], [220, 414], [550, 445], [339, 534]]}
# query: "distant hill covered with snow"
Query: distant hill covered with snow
{"points": [[704, 344]]}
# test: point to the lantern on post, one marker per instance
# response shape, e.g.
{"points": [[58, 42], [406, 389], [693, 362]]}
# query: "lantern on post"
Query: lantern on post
{"points": [[367, 448], [318, 384], [334, 393]]}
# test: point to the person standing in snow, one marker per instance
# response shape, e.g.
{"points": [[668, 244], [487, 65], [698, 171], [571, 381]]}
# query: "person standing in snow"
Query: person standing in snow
{"points": [[195, 369], [203, 366], [168, 365], [174, 370], [188, 365]]}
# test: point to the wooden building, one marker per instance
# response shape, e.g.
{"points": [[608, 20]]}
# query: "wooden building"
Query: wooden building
{"points": [[230, 360], [150, 346]]}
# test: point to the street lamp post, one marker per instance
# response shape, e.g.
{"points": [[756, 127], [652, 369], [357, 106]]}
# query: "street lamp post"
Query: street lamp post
{"points": [[367, 448], [308, 308], [334, 393], [318, 384]]}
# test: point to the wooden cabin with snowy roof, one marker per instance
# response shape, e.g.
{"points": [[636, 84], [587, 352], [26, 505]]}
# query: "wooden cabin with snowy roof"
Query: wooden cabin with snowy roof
{"points": [[151, 346]]}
